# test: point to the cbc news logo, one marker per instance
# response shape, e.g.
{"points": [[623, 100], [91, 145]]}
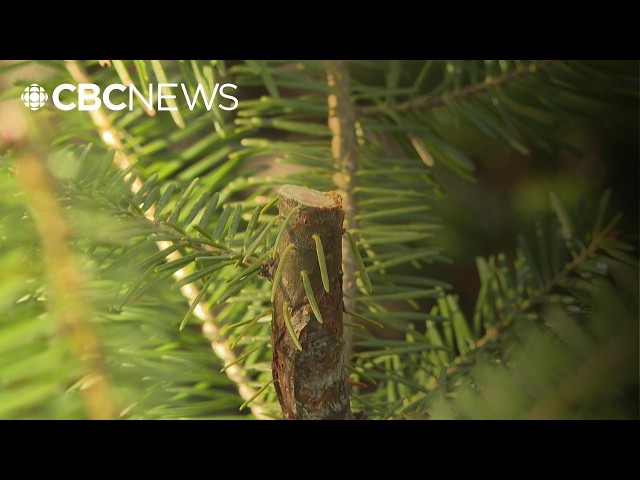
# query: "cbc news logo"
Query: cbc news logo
{"points": [[34, 96], [157, 97]]}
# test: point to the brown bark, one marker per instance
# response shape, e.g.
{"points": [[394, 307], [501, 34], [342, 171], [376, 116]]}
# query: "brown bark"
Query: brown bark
{"points": [[311, 384]]}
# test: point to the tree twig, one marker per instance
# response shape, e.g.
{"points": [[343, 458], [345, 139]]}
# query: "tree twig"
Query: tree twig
{"points": [[67, 300], [528, 303], [306, 331], [344, 147], [428, 103], [210, 330]]}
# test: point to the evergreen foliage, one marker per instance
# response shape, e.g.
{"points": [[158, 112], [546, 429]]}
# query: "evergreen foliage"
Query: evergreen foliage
{"points": [[169, 222]]}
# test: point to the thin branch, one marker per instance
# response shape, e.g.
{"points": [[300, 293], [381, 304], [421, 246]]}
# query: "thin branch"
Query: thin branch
{"points": [[428, 103], [210, 330], [528, 303], [189, 242], [308, 364], [344, 147], [68, 301]]}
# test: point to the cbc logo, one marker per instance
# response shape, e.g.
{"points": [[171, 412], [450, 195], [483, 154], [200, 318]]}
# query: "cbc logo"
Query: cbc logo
{"points": [[34, 96], [90, 96]]}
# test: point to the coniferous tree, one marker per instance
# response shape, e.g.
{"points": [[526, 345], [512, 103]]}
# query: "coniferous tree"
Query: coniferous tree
{"points": [[280, 259]]}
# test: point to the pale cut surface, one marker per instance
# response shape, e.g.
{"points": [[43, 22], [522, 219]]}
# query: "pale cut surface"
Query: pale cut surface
{"points": [[307, 196]]}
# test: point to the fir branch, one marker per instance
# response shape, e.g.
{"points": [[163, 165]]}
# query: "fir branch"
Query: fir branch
{"points": [[429, 103], [344, 147], [528, 303], [219, 343], [65, 284]]}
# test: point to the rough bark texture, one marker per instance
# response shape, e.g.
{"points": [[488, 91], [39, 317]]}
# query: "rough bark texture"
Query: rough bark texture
{"points": [[311, 384], [344, 147]]}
